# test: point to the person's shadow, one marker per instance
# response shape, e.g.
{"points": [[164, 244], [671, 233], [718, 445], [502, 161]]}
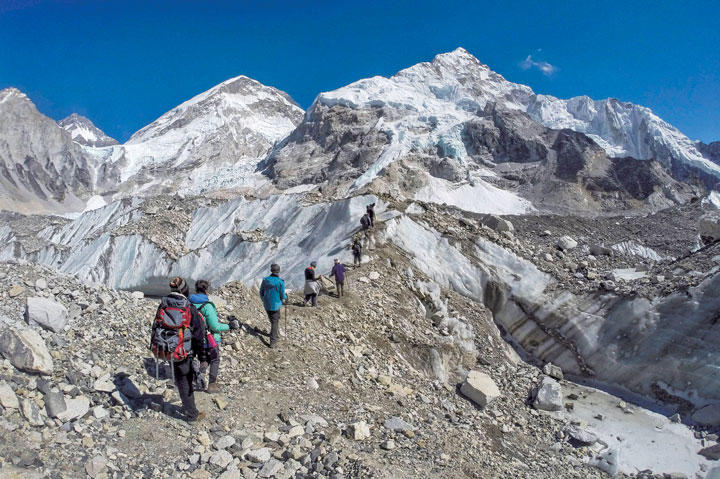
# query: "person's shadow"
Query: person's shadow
{"points": [[256, 332]]}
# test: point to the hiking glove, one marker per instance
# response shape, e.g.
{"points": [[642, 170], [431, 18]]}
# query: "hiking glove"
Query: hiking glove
{"points": [[234, 324]]}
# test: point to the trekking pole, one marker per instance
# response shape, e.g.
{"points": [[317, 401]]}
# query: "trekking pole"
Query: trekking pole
{"points": [[286, 331]]}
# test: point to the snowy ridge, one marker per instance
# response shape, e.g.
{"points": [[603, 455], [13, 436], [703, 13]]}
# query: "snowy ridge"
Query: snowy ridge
{"points": [[433, 100], [84, 132]]}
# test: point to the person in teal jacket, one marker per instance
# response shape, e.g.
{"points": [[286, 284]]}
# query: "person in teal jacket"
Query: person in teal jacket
{"points": [[209, 312], [272, 292]]}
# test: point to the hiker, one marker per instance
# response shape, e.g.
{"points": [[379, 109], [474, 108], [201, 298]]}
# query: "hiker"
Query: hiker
{"points": [[312, 287], [178, 335], [338, 271], [371, 214], [272, 292], [214, 327], [365, 222], [357, 252]]}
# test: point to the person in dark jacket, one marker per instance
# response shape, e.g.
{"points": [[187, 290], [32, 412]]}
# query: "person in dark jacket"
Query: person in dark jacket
{"points": [[371, 214], [365, 222], [357, 252], [183, 370], [312, 287], [272, 292], [338, 271]]}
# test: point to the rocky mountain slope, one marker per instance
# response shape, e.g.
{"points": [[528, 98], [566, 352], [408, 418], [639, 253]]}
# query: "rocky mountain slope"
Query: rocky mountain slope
{"points": [[439, 130], [42, 168], [84, 132]]}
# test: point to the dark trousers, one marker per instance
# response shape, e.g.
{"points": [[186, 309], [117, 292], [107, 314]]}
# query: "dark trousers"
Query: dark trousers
{"points": [[274, 317], [340, 287], [214, 355], [356, 259], [184, 376], [312, 298]]}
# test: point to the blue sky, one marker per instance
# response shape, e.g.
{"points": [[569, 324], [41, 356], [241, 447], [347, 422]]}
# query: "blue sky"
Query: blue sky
{"points": [[123, 63]]}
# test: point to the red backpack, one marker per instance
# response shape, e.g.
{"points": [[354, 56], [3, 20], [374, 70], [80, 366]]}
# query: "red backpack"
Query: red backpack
{"points": [[171, 338]]}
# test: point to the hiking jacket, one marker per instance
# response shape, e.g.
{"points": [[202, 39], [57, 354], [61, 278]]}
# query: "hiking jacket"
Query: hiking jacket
{"points": [[310, 274], [312, 286], [365, 221], [197, 327], [272, 292], [339, 272], [357, 249], [209, 312]]}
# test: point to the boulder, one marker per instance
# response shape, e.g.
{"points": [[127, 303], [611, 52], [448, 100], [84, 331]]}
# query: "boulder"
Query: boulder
{"points": [[709, 226], [580, 437], [46, 313], [548, 396], [25, 349], [95, 466], [224, 442], [15, 290], [497, 223], [270, 468], [553, 371], [480, 388], [374, 276], [55, 404], [359, 430], [221, 458], [397, 424], [76, 407], [32, 413], [599, 250], [566, 243], [8, 399], [259, 455], [708, 415]]}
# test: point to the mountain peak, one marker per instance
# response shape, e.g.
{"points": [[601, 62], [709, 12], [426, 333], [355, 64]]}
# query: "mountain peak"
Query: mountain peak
{"points": [[84, 132], [11, 93]]}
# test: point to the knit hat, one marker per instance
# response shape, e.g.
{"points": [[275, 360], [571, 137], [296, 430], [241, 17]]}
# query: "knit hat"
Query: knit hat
{"points": [[275, 268], [179, 285], [313, 264]]}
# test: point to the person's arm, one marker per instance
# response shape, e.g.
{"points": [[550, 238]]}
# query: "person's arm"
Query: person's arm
{"points": [[198, 335], [213, 322], [283, 295], [262, 289]]}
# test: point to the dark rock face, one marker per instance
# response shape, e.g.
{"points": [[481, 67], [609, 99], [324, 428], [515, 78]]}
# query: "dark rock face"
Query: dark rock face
{"points": [[710, 151], [332, 143]]}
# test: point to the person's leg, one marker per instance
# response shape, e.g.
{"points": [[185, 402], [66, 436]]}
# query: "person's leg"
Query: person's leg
{"points": [[307, 298], [314, 299], [214, 364], [183, 380], [274, 326], [340, 288]]}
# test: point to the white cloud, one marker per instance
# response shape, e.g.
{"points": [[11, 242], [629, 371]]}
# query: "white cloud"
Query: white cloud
{"points": [[546, 68]]}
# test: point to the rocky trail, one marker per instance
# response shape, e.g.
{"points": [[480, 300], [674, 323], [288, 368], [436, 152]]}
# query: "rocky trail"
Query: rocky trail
{"points": [[369, 385]]}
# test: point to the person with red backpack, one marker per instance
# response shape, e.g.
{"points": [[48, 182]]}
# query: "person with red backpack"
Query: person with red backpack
{"points": [[178, 335], [208, 312]]}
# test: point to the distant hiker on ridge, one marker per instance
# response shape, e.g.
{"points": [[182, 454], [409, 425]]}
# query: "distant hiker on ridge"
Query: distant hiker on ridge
{"points": [[312, 287], [371, 214], [357, 252], [365, 222], [272, 292], [214, 327], [178, 334], [338, 271]]}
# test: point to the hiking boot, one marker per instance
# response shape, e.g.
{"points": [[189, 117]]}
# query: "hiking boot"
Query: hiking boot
{"points": [[273, 345], [213, 388], [199, 417]]}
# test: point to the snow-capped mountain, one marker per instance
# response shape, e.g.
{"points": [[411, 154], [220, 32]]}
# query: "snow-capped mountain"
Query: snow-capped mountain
{"points": [[711, 151], [84, 132], [212, 141], [418, 121], [42, 168]]}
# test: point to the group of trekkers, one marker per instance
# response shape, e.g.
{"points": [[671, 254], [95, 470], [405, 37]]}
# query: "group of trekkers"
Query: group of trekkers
{"points": [[187, 326]]}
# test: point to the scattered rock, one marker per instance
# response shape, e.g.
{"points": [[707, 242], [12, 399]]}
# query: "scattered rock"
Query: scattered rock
{"points": [[553, 371], [398, 424], [359, 430], [95, 466], [15, 290], [221, 458], [712, 453], [46, 313], [55, 404], [25, 349], [549, 395], [76, 407], [480, 388], [708, 415], [32, 413], [566, 243], [8, 398], [579, 437], [259, 455]]}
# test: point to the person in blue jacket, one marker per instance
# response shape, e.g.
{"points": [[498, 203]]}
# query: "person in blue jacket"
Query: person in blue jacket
{"points": [[272, 292]]}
